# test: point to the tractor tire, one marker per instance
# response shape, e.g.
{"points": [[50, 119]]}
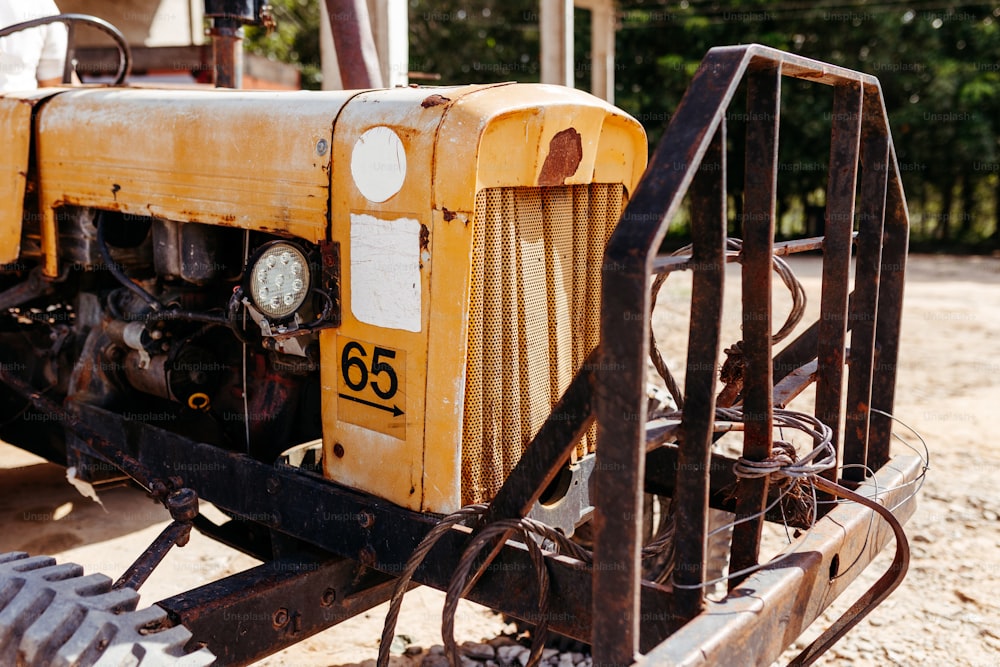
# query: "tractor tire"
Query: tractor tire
{"points": [[53, 615]]}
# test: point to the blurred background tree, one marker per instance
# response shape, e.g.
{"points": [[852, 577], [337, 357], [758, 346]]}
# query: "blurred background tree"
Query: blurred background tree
{"points": [[294, 40], [938, 62]]}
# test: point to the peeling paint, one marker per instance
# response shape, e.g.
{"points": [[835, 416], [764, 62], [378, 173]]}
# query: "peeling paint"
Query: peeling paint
{"points": [[425, 237], [434, 100], [385, 272], [565, 154]]}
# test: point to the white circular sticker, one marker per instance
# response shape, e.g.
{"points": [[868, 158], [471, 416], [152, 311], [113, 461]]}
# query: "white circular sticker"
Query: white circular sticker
{"points": [[378, 164]]}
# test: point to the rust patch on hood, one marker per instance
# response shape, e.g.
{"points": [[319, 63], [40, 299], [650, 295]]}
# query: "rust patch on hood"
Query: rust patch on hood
{"points": [[434, 100], [565, 153]]}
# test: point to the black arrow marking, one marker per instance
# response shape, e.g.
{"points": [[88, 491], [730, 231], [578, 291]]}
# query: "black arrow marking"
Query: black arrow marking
{"points": [[394, 409]]}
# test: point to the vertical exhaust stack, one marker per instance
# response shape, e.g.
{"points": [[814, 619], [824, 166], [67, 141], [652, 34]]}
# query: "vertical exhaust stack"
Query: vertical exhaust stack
{"points": [[228, 18]]}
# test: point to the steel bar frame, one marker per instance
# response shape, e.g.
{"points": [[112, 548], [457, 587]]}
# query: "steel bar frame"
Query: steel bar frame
{"points": [[367, 530], [275, 605], [763, 101], [676, 170], [773, 607]]}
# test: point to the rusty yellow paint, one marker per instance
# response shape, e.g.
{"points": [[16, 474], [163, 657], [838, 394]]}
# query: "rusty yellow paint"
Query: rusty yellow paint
{"points": [[503, 137], [457, 141], [254, 160], [361, 457], [442, 478], [16, 130], [391, 176]]}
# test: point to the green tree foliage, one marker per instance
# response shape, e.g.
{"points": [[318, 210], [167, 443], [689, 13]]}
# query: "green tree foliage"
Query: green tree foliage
{"points": [[483, 42], [938, 62], [295, 38]]}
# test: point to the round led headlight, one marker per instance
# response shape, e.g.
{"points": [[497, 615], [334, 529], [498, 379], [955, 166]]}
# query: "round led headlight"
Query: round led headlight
{"points": [[279, 280]]}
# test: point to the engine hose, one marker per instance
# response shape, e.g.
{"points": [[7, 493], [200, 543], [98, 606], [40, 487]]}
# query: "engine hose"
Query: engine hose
{"points": [[117, 272], [232, 311], [161, 311], [190, 315], [327, 309]]}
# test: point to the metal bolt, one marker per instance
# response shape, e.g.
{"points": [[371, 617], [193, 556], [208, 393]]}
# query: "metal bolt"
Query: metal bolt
{"points": [[329, 597], [338, 450], [321, 147], [280, 618], [157, 489], [183, 505]]}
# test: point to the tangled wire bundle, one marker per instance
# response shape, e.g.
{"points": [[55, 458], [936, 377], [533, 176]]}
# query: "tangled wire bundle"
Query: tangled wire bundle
{"points": [[794, 481]]}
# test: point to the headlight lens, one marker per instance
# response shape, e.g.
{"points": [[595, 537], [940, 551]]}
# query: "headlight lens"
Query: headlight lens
{"points": [[279, 280]]}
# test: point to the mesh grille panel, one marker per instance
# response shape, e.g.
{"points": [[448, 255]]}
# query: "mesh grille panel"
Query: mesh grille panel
{"points": [[533, 317]]}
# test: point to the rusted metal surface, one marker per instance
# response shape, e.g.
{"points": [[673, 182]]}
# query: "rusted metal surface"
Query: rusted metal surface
{"points": [[197, 172], [183, 507], [763, 101], [94, 439], [624, 327], [865, 302], [249, 615], [690, 499], [136, 575], [227, 53], [895, 238], [565, 154], [331, 517], [620, 401], [228, 18], [844, 148], [630, 257], [434, 100], [880, 590], [770, 609], [794, 384]]}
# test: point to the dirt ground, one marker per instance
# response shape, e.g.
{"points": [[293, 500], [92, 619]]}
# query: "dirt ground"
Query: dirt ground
{"points": [[945, 613]]}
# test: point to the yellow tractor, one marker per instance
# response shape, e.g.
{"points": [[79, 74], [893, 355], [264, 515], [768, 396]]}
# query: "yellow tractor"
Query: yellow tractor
{"points": [[402, 335]]}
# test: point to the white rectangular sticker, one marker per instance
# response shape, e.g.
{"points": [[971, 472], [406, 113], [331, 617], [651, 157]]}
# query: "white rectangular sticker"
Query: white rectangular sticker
{"points": [[385, 271]]}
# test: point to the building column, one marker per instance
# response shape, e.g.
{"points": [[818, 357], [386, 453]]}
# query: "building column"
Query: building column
{"points": [[390, 29], [602, 49], [556, 27]]}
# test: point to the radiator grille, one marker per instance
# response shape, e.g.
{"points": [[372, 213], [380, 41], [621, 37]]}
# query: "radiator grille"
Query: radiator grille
{"points": [[533, 317]]}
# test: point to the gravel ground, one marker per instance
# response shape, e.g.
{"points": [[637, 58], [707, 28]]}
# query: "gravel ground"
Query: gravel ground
{"points": [[945, 613]]}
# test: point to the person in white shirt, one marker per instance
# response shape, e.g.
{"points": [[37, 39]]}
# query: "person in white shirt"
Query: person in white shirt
{"points": [[34, 57]]}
